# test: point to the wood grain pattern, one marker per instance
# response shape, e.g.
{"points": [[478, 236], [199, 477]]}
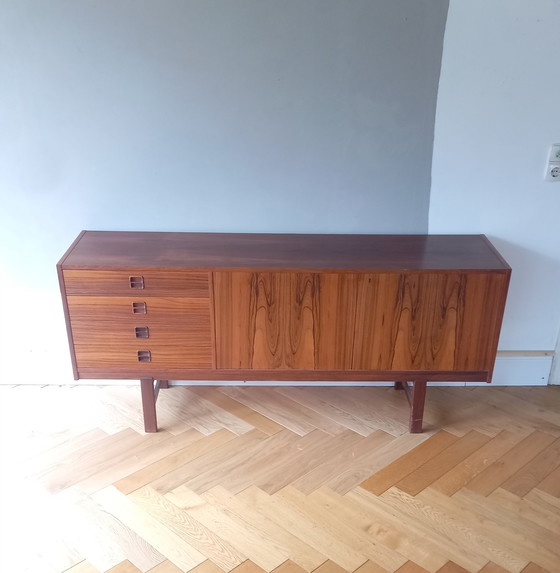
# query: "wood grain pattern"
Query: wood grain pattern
{"points": [[161, 282], [244, 500], [245, 251], [289, 307], [415, 322]]}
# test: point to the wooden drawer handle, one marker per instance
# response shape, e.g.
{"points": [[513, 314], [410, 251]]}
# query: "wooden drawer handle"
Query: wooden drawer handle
{"points": [[144, 356], [142, 332], [136, 282], [139, 308]]}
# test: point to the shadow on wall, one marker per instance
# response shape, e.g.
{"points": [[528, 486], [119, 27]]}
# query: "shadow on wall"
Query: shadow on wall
{"points": [[536, 276]]}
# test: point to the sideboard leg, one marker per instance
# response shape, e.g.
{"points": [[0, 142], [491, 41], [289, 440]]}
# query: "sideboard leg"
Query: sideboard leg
{"points": [[149, 405], [417, 401], [416, 395]]}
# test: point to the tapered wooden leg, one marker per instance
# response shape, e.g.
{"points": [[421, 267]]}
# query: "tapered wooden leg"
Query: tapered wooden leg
{"points": [[416, 395], [149, 405], [417, 406]]}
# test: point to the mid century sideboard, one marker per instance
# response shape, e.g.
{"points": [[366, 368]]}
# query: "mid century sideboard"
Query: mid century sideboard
{"points": [[266, 307]]}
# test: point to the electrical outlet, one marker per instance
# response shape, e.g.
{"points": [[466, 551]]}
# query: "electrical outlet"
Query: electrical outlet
{"points": [[552, 172]]}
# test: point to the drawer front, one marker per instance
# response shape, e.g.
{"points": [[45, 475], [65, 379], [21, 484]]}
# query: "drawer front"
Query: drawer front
{"points": [[143, 357], [172, 332], [186, 312], [145, 282]]}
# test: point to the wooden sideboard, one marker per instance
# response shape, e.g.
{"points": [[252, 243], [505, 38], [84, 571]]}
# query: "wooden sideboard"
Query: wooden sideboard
{"points": [[265, 307]]}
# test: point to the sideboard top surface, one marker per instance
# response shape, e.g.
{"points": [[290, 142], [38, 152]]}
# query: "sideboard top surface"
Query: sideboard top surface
{"points": [[99, 249]]}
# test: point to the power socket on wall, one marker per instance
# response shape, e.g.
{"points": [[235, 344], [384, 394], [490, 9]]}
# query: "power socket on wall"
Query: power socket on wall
{"points": [[552, 172]]}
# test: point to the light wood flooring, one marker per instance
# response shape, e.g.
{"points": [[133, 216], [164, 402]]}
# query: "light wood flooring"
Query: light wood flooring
{"points": [[285, 479]]}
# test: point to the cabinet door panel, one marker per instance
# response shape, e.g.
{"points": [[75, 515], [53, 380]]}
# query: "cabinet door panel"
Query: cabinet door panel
{"points": [[265, 320], [428, 321], [289, 320]]}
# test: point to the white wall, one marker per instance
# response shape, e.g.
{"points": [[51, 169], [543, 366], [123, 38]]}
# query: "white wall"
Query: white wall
{"points": [[497, 114], [253, 115]]}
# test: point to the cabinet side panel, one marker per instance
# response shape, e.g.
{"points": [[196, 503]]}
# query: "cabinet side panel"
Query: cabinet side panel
{"points": [[67, 319], [481, 320]]}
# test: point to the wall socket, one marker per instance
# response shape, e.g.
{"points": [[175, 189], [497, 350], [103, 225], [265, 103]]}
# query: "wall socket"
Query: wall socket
{"points": [[552, 172]]}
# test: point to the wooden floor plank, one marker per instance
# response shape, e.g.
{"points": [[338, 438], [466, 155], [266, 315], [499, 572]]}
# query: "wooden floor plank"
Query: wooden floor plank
{"points": [[124, 567], [451, 567], [243, 536], [411, 567], [324, 402], [237, 409], [358, 469], [289, 567], [492, 568], [416, 538], [466, 470], [203, 541], [203, 415], [485, 498], [273, 405], [511, 529], [525, 508], [168, 567], [301, 462], [472, 538], [534, 472], [331, 469], [438, 465], [194, 445], [299, 552], [510, 463], [300, 523], [551, 483], [405, 465], [370, 567], [388, 532], [82, 567], [380, 408], [149, 527]]}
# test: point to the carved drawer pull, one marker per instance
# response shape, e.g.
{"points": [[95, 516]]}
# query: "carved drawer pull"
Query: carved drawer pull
{"points": [[144, 356], [142, 332], [139, 308], [136, 282]]}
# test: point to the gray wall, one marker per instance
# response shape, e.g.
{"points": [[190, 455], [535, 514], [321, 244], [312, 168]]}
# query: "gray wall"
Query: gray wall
{"points": [[245, 115]]}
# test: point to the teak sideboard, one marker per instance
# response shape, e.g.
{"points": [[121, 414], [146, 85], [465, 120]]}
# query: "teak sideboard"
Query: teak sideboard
{"points": [[273, 307]]}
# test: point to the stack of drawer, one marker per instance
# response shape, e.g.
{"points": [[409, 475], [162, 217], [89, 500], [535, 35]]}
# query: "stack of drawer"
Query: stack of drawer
{"points": [[139, 321]]}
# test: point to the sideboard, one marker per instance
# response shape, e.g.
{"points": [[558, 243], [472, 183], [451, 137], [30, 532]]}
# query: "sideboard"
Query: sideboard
{"points": [[278, 307]]}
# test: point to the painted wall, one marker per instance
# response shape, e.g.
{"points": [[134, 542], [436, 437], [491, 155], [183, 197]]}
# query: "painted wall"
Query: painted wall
{"points": [[495, 120], [253, 115]]}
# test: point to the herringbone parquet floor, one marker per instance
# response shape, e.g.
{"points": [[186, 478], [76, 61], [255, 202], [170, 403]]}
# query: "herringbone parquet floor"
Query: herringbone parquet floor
{"points": [[283, 479]]}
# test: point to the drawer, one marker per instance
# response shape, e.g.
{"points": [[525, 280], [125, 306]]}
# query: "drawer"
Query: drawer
{"points": [[143, 357], [147, 282], [174, 312]]}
